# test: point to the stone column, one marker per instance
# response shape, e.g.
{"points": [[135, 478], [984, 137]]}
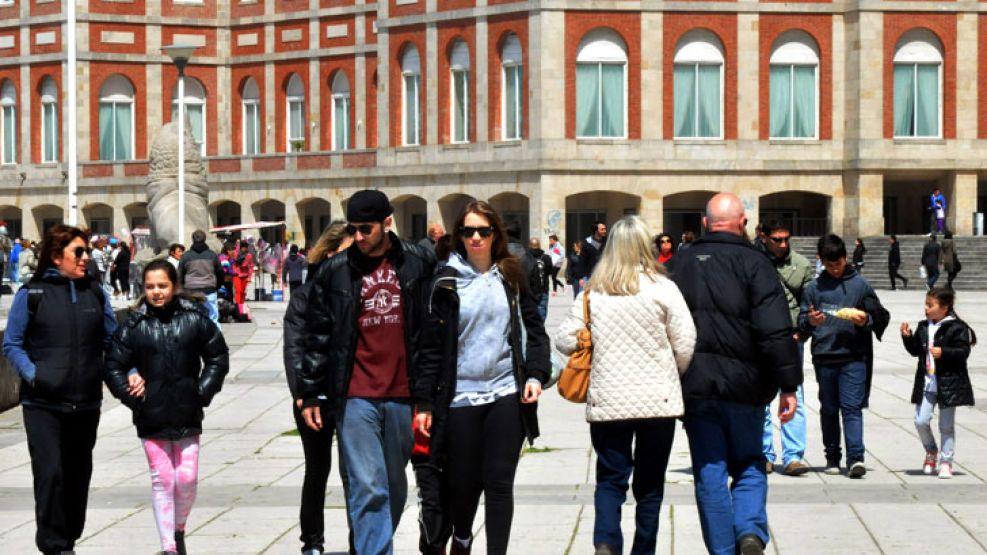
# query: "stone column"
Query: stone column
{"points": [[270, 97], [482, 81], [651, 89], [24, 106], [653, 208], [865, 83], [431, 83], [839, 75], [88, 124], [962, 203], [747, 80], [433, 213], [155, 117], [358, 89], [864, 203], [547, 207]]}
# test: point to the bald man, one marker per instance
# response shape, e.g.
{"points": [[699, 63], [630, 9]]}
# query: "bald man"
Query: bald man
{"points": [[744, 355]]}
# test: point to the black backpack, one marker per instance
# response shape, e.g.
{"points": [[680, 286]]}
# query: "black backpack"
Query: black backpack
{"points": [[536, 276]]}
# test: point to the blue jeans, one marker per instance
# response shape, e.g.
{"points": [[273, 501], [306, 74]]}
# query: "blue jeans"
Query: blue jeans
{"points": [[652, 440], [728, 468], [792, 432], [841, 391], [212, 303], [375, 440], [933, 276], [543, 306]]}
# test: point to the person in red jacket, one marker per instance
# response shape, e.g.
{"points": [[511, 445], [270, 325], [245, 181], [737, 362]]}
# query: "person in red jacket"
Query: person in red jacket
{"points": [[243, 271]]}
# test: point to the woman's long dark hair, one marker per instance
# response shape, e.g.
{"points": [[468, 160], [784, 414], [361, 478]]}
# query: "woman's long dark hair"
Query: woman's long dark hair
{"points": [[946, 297], [54, 242], [510, 267]]}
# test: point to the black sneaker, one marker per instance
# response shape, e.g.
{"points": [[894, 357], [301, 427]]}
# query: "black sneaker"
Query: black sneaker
{"points": [[750, 544], [857, 470], [832, 467], [180, 542]]}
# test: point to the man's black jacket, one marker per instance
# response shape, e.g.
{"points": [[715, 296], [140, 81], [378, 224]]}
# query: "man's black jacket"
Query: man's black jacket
{"points": [[744, 346], [334, 306]]}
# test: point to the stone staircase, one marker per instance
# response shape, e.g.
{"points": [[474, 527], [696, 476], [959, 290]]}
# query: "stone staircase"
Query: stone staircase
{"points": [[972, 252]]}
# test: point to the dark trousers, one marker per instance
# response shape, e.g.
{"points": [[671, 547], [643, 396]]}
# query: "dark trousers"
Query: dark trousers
{"points": [[292, 285], [615, 461], [61, 446], [556, 284], [842, 387], [950, 276], [484, 445], [933, 273], [894, 275], [317, 446], [434, 527]]}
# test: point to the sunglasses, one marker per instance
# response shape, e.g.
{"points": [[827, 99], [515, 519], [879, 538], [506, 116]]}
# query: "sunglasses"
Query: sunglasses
{"points": [[468, 231], [666, 240], [365, 229], [80, 251], [779, 240]]}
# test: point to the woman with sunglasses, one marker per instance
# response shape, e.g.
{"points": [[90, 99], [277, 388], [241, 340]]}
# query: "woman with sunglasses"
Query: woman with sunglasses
{"points": [[479, 384], [58, 328], [666, 248]]}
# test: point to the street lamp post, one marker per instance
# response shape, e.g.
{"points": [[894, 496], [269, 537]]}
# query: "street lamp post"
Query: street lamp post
{"points": [[181, 54]]}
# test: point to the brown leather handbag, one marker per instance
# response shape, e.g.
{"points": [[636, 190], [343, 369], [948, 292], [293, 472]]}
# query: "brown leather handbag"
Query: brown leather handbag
{"points": [[574, 381]]}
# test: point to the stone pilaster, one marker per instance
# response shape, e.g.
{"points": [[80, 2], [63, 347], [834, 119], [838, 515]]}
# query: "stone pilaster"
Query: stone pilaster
{"points": [[313, 104], [482, 81], [651, 74], [270, 108], [864, 204], [431, 84], [962, 203], [747, 79], [967, 44], [546, 32]]}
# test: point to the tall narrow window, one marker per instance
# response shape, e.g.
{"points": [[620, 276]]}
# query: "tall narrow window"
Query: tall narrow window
{"points": [[116, 117], [251, 117], [698, 86], [794, 86], [296, 114], [601, 86], [511, 94], [195, 110], [918, 86], [411, 74], [8, 112], [340, 112], [459, 113], [49, 120]]}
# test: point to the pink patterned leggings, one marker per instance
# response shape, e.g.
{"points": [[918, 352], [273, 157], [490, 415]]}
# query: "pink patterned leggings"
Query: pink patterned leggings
{"points": [[174, 475]]}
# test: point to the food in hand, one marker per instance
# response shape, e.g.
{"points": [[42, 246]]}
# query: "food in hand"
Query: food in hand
{"points": [[849, 313]]}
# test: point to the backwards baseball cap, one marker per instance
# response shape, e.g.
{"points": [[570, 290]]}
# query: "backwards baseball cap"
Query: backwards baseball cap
{"points": [[368, 206]]}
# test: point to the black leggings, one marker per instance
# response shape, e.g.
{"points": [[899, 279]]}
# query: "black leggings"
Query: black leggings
{"points": [[484, 448], [555, 279], [893, 273]]}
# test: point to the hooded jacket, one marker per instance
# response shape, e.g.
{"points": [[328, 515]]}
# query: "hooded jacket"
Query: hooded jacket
{"points": [[183, 358], [744, 350], [795, 274], [200, 269], [952, 376]]}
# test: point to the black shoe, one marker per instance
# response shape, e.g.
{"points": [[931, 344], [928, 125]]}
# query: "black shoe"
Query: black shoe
{"points": [[180, 542], [750, 544], [604, 549]]}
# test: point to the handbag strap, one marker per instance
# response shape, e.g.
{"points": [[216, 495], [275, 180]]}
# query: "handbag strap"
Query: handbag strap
{"points": [[586, 319]]}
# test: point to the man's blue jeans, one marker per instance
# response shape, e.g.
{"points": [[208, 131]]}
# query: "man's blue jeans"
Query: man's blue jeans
{"points": [[933, 273], [543, 306], [792, 432], [375, 440], [615, 460], [728, 469], [841, 392]]}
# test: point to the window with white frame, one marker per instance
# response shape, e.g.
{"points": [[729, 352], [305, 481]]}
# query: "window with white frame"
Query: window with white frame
{"points": [[195, 110], [918, 86], [251, 117], [511, 94], [295, 93], [411, 75], [116, 119], [340, 111], [49, 120], [794, 87], [698, 86], [601, 86], [459, 79], [8, 113]]}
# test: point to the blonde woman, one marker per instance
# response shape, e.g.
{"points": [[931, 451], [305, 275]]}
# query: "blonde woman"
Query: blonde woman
{"points": [[643, 339]]}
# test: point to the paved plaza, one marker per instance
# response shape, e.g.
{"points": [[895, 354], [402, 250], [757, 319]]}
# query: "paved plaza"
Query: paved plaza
{"points": [[252, 466]]}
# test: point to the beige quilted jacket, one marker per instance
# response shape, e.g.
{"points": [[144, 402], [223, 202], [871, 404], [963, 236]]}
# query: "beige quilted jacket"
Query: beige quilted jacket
{"points": [[641, 345]]}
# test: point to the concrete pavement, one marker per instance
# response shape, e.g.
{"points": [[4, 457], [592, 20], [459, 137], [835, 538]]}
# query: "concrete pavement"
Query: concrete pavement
{"points": [[252, 466]]}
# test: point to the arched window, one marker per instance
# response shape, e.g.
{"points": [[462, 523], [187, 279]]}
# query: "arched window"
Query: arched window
{"points": [[251, 117], [295, 93], [8, 113], [511, 94], [340, 112], [698, 78], [195, 109], [116, 119], [411, 74], [459, 69], [49, 120], [601, 85], [918, 85], [794, 86]]}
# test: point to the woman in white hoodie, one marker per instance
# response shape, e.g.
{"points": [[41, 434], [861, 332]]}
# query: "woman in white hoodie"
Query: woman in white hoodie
{"points": [[643, 339]]}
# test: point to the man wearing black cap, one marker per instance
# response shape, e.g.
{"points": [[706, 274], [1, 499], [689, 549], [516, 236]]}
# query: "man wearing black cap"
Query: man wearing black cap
{"points": [[362, 326]]}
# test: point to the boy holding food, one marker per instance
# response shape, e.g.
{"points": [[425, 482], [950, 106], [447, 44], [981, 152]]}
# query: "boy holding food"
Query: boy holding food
{"points": [[839, 311]]}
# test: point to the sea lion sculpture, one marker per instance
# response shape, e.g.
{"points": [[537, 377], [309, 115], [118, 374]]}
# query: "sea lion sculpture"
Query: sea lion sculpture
{"points": [[162, 188]]}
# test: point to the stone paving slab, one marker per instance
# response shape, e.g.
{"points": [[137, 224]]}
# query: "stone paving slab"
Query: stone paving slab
{"points": [[252, 468]]}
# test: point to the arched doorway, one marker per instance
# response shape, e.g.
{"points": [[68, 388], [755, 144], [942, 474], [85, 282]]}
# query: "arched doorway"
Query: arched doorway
{"points": [[99, 218], [224, 213], [684, 212], [514, 208], [136, 215], [270, 210], [582, 210], [315, 215], [13, 217], [410, 217], [47, 216], [806, 214], [451, 206]]}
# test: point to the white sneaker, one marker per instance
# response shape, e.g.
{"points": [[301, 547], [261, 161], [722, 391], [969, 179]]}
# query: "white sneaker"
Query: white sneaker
{"points": [[945, 470], [929, 466], [857, 470]]}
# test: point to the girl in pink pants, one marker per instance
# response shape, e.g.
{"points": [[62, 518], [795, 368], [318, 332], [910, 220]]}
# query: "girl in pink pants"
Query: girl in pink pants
{"points": [[166, 363]]}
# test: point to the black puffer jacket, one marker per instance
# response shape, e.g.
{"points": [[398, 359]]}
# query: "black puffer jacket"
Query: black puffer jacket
{"points": [[294, 332], [183, 358], [744, 347], [439, 347], [334, 306], [952, 377]]}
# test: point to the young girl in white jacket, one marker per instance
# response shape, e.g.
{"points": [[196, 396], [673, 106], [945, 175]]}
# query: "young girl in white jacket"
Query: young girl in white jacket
{"points": [[643, 339]]}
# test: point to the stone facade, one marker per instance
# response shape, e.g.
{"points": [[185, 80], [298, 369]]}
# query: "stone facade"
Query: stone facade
{"points": [[855, 177]]}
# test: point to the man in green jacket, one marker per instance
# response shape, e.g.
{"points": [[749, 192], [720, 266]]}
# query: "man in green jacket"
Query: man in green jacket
{"points": [[795, 273]]}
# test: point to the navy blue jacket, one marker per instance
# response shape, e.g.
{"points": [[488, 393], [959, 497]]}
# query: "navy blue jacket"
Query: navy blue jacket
{"points": [[839, 340]]}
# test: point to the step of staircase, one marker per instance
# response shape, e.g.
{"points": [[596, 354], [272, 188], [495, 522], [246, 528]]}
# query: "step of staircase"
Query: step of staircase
{"points": [[972, 252]]}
